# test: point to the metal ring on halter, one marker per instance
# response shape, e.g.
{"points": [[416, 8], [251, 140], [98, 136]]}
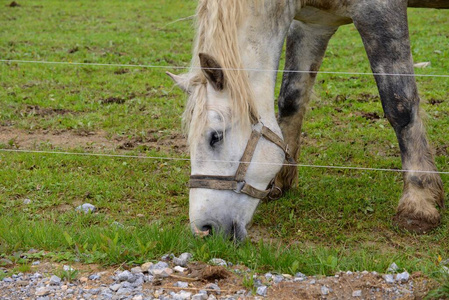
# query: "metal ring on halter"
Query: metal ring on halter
{"points": [[240, 186], [278, 195]]}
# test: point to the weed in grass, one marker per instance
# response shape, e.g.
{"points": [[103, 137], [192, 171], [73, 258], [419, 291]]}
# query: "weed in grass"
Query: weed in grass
{"points": [[67, 274], [249, 282]]}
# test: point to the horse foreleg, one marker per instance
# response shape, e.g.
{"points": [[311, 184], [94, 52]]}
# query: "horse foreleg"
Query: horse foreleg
{"points": [[306, 45], [384, 30]]}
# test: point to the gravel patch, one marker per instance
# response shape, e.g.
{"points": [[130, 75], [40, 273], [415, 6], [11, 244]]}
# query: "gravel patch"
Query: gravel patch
{"points": [[196, 281]]}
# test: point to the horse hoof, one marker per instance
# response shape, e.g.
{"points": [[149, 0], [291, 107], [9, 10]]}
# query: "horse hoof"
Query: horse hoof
{"points": [[413, 224]]}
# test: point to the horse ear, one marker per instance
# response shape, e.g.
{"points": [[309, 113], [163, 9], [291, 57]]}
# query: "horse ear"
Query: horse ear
{"points": [[180, 81], [213, 71]]}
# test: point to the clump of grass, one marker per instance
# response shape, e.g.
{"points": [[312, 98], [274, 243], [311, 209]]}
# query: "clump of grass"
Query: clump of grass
{"points": [[442, 291], [67, 274]]}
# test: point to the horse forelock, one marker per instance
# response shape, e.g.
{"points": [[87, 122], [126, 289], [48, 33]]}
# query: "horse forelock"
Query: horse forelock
{"points": [[217, 25]]}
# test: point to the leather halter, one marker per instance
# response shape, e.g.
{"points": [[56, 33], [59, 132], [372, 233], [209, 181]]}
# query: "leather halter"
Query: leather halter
{"points": [[237, 182]]}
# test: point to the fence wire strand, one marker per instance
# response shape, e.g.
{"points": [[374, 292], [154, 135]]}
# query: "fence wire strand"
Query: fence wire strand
{"points": [[244, 69], [215, 161]]}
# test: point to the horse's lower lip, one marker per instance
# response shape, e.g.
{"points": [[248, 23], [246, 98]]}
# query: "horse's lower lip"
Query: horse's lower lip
{"points": [[200, 233]]}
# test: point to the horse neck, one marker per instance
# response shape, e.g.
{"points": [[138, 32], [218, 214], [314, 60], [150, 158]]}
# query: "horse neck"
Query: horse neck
{"points": [[261, 37]]}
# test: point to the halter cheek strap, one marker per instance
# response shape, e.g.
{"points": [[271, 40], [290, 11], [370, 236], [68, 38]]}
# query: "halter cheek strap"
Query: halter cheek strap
{"points": [[237, 182]]}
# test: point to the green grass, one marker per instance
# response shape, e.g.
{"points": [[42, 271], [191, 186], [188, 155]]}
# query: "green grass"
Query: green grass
{"points": [[335, 219]]}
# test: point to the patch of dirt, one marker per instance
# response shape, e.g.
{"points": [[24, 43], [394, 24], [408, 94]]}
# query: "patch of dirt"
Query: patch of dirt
{"points": [[365, 97], [87, 140], [43, 112], [344, 286], [442, 150], [212, 273], [371, 116], [14, 4], [435, 101], [111, 100], [121, 71]]}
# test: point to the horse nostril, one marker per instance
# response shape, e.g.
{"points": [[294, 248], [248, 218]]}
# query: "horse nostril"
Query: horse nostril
{"points": [[207, 228]]}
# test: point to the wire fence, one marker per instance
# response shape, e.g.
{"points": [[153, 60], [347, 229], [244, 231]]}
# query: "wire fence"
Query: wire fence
{"points": [[243, 69], [215, 161]]}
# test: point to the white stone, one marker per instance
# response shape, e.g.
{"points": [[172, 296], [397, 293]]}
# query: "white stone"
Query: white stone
{"points": [[393, 268], [179, 269], [389, 278], [403, 277], [357, 293], [86, 208], [42, 291], [218, 262], [324, 290], [262, 290], [162, 272]]}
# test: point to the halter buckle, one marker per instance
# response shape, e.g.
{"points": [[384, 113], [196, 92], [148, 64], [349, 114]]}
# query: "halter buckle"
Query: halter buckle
{"points": [[240, 186]]}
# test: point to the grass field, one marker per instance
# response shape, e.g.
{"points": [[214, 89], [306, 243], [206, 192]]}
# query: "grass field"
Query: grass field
{"points": [[335, 219]]}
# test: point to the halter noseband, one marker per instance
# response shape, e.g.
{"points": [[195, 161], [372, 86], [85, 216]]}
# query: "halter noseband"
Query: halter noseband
{"points": [[237, 182]]}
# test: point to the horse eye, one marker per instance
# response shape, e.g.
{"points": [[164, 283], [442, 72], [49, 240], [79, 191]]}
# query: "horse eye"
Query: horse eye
{"points": [[216, 137]]}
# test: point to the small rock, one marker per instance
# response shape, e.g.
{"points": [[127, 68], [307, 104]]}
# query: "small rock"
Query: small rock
{"points": [[324, 290], [162, 272], [403, 277], [181, 284], [115, 287], [167, 257], [159, 266], [300, 275], [126, 276], [183, 259], [357, 293], [179, 269], [95, 291], [124, 291], [218, 262], [393, 268], [213, 286], [278, 278], [199, 297], [268, 276], [136, 270], [146, 266], [94, 277], [262, 290], [313, 281], [139, 282], [55, 280], [183, 295], [389, 278], [349, 273], [42, 291], [137, 297], [86, 208], [148, 278], [7, 279], [26, 201]]}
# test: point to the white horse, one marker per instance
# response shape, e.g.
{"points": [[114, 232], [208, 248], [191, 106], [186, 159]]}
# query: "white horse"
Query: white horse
{"points": [[235, 140]]}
